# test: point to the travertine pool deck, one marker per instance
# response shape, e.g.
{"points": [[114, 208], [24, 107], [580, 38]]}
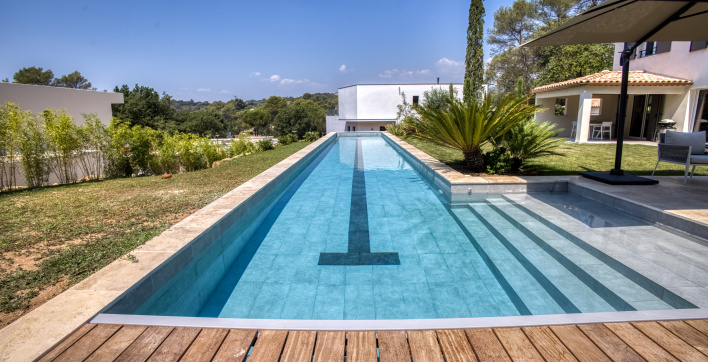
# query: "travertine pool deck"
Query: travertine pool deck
{"points": [[36, 332]]}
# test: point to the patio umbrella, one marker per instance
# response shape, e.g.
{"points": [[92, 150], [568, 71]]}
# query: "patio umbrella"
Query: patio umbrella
{"points": [[632, 22]]}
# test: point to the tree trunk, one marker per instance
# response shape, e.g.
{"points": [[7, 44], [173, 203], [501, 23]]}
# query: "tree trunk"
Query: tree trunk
{"points": [[474, 160]]}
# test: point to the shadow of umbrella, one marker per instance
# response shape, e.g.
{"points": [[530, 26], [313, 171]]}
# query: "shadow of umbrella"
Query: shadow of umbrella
{"points": [[632, 22]]}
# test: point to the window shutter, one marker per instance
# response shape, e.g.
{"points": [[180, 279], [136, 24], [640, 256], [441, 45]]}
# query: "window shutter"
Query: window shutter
{"points": [[663, 47], [698, 45]]}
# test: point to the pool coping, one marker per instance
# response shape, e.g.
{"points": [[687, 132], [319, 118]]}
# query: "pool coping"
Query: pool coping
{"points": [[34, 333]]}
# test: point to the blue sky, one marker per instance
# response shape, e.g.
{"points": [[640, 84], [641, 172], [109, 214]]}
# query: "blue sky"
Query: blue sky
{"points": [[215, 50]]}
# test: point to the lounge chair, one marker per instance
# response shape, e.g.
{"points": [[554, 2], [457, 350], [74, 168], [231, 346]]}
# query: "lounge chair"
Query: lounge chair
{"points": [[684, 149]]}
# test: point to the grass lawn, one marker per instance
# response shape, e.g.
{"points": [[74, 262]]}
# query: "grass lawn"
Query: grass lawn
{"points": [[575, 157], [53, 237]]}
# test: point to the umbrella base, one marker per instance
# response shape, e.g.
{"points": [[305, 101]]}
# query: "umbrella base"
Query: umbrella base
{"points": [[624, 179]]}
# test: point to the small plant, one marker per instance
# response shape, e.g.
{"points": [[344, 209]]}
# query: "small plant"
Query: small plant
{"points": [[210, 150], [287, 139], [311, 136], [528, 140], [265, 145], [191, 157], [498, 161], [240, 147], [396, 129]]}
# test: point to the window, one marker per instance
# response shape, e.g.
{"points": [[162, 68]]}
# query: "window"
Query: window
{"points": [[415, 99], [595, 106], [382, 128], [698, 45], [560, 107]]}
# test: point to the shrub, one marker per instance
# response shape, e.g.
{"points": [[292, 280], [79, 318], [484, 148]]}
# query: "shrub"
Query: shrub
{"points": [[33, 148], [312, 136], [498, 161], [287, 139], [165, 158], [116, 153], [191, 157], [11, 120], [94, 139], [265, 145], [529, 140], [64, 143], [240, 147], [211, 151], [396, 129], [141, 140]]}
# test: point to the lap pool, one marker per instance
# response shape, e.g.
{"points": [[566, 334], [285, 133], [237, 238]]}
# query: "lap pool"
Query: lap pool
{"points": [[357, 233]]}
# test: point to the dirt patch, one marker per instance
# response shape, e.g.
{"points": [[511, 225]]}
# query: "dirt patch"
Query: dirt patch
{"points": [[44, 295]]}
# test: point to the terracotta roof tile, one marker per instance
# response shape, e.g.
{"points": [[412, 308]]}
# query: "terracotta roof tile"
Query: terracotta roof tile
{"points": [[614, 78]]}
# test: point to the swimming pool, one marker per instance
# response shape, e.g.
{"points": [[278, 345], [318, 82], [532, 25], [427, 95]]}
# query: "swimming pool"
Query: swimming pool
{"points": [[358, 234]]}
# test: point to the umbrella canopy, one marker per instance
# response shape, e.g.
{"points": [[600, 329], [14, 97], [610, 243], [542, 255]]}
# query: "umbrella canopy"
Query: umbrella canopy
{"points": [[631, 21]]}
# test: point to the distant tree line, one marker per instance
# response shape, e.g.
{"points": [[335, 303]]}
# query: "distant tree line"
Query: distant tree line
{"points": [[272, 116], [39, 76]]}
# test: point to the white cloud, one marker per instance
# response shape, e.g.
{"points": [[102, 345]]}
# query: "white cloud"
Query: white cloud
{"points": [[274, 78], [203, 90], [224, 91], [343, 68], [254, 74], [395, 73], [444, 62]]}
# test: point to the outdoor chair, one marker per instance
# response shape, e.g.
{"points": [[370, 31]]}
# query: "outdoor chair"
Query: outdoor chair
{"points": [[684, 149], [598, 130], [574, 130]]}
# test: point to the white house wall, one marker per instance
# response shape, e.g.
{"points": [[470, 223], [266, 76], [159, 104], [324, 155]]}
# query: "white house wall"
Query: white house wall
{"points": [[37, 98], [347, 103], [679, 63]]}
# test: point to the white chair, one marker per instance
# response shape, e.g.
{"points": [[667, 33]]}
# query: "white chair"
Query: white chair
{"points": [[574, 130], [684, 149], [598, 130]]}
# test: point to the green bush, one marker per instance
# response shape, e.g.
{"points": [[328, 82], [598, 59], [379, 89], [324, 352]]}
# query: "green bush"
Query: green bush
{"points": [[311, 136], [240, 147], [191, 157], [528, 140], [94, 139], [117, 151], [33, 158], [287, 139], [498, 161], [265, 145], [11, 120], [64, 143], [396, 129], [210, 150]]}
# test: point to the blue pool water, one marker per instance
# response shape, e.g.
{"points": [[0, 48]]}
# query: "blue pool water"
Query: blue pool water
{"points": [[360, 235]]}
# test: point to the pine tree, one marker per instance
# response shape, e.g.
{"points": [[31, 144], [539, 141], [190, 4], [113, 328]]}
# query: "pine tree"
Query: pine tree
{"points": [[474, 60]]}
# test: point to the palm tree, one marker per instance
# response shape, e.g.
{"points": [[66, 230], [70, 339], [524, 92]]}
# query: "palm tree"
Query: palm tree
{"points": [[466, 126], [529, 139]]}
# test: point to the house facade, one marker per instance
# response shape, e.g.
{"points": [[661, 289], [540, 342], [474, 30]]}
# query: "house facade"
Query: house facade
{"points": [[667, 81], [370, 107], [37, 98]]}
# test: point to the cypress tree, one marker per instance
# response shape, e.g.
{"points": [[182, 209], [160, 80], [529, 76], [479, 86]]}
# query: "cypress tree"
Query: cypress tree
{"points": [[474, 60]]}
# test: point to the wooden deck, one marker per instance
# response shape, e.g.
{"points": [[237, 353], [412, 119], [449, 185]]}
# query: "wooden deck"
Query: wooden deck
{"points": [[653, 341]]}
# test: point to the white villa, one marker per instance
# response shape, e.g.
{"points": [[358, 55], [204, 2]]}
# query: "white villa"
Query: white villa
{"points": [[667, 80], [370, 107], [37, 98]]}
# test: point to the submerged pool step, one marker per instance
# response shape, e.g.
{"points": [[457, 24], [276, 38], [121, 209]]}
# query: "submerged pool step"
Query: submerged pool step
{"points": [[531, 295], [604, 274], [545, 249]]}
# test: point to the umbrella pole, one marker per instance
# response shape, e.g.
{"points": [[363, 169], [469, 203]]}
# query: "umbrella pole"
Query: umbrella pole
{"points": [[622, 111]]}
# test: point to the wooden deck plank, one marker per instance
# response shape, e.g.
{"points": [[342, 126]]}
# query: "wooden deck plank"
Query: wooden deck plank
{"points": [[236, 345], [67, 342], [689, 334], [486, 345], [393, 346], [550, 347], [174, 346], [269, 346], [639, 342], [361, 346], [205, 345], [424, 346], [455, 346], [701, 325], [579, 344], [299, 346], [330, 346], [89, 343], [613, 346], [670, 342], [145, 345], [517, 345], [115, 345]]}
